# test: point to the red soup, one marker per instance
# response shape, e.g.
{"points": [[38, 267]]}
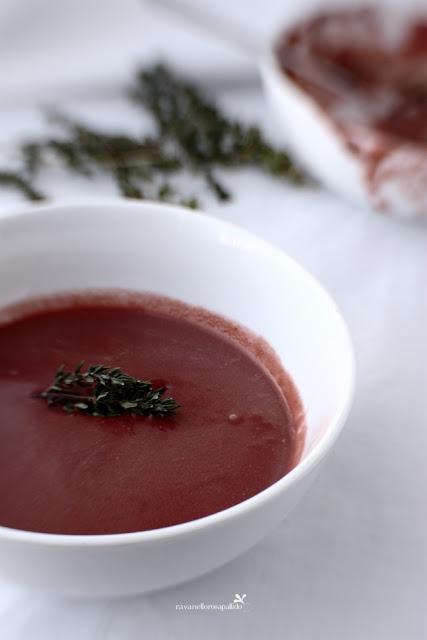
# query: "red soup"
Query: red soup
{"points": [[237, 430]]}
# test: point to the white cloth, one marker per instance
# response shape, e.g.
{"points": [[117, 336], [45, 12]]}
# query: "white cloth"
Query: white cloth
{"points": [[350, 561]]}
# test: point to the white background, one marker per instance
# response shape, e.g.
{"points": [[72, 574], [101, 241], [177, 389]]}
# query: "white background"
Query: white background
{"points": [[350, 562]]}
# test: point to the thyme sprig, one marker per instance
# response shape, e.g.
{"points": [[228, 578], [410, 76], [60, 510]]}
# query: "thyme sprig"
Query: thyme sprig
{"points": [[21, 183], [130, 161], [204, 136], [192, 134], [105, 391]]}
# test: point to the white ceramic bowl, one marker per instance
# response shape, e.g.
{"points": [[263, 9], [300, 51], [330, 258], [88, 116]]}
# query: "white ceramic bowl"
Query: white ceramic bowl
{"points": [[203, 261], [319, 147]]}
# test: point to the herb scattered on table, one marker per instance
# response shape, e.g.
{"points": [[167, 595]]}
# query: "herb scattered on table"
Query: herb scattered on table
{"points": [[21, 183], [205, 138], [104, 391], [192, 135]]}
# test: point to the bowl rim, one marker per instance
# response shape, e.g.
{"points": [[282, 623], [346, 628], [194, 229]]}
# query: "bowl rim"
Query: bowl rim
{"points": [[304, 466], [269, 67]]}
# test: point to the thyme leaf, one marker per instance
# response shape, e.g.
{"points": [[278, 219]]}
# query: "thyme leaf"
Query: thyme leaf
{"points": [[106, 391]]}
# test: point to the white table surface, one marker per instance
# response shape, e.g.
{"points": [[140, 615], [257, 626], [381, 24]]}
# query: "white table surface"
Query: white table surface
{"points": [[350, 562]]}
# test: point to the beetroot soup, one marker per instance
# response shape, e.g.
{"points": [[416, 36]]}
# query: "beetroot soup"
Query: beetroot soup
{"points": [[238, 427]]}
